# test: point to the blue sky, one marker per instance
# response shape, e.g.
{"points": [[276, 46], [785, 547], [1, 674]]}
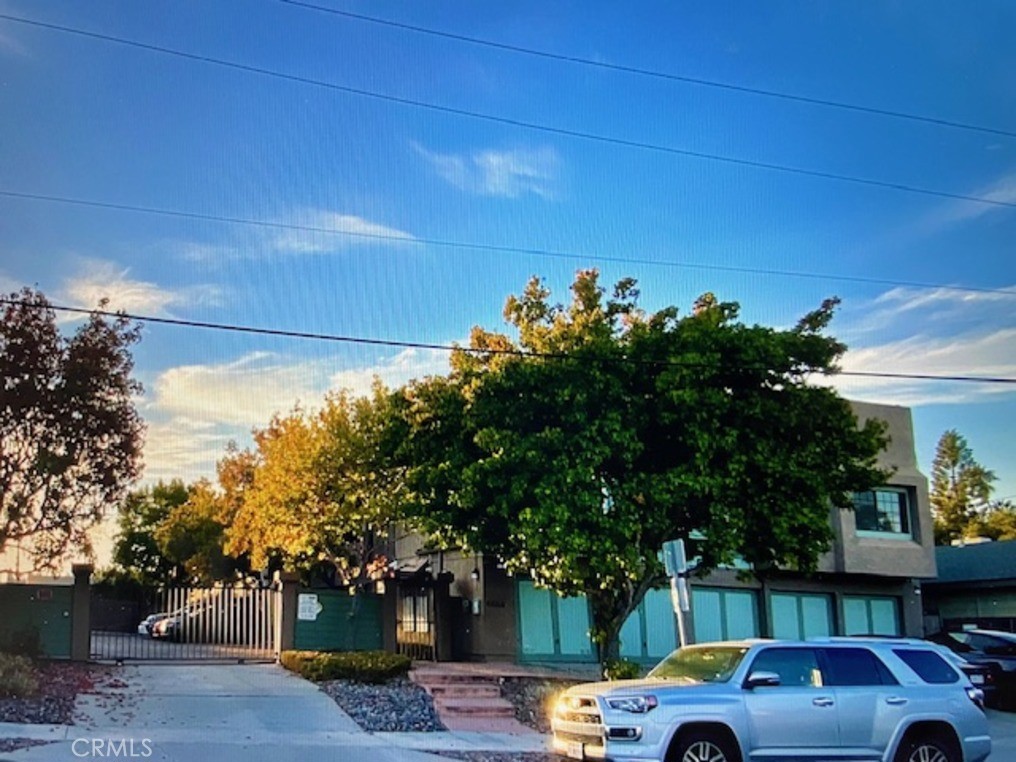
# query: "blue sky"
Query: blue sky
{"points": [[94, 120]]}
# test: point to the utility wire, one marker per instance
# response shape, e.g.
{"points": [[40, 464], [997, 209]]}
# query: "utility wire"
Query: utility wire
{"points": [[535, 126], [488, 247], [392, 343], [652, 73]]}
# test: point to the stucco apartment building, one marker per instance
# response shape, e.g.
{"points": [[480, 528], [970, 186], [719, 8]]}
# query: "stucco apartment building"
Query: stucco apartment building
{"points": [[455, 606]]}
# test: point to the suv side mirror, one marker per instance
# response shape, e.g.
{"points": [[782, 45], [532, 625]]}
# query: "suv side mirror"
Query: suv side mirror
{"points": [[762, 680]]}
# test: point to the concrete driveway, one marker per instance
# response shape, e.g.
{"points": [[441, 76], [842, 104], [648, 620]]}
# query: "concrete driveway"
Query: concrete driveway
{"points": [[213, 713]]}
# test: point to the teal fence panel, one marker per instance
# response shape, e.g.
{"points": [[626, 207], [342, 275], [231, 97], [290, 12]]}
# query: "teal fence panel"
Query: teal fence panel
{"points": [[44, 609], [334, 620]]}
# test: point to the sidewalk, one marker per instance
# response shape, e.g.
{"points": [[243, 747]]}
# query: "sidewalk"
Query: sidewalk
{"points": [[246, 713]]}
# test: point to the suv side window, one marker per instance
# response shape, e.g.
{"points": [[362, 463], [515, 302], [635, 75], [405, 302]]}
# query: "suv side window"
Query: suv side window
{"points": [[796, 666], [856, 666], [928, 665]]}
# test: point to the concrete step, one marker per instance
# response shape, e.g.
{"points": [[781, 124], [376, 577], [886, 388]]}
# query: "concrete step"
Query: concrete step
{"points": [[451, 678], [463, 690], [474, 707]]}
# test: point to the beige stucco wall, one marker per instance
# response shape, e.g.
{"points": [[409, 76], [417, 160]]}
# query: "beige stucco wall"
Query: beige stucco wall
{"points": [[890, 557]]}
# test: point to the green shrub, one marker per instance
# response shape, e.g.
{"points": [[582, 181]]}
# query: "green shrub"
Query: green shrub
{"points": [[17, 678], [359, 666], [621, 669]]}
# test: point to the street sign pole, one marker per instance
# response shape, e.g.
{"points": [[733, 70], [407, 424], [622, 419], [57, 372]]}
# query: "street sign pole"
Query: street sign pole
{"points": [[676, 564]]}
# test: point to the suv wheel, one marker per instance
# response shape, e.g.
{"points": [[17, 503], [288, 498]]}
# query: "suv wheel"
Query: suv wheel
{"points": [[926, 750], [702, 747]]}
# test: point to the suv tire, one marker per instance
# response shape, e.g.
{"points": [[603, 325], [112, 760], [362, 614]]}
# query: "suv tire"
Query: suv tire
{"points": [[926, 749], [706, 747]]}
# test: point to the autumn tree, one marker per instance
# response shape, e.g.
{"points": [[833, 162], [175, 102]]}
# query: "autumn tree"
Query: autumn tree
{"points": [[996, 522], [70, 435], [174, 532], [960, 488], [192, 537], [630, 429], [318, 500]]}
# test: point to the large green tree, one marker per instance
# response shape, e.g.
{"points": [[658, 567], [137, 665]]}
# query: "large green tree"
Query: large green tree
{"points": [[629, 430], [960, 488], [70, 434]]}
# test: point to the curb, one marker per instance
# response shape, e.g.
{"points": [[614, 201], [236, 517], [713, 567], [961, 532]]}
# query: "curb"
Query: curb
{"points": [[466, 741]]}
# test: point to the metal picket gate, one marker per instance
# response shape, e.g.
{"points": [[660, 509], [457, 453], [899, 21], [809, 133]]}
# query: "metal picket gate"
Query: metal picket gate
{"points": [[189, 624]]}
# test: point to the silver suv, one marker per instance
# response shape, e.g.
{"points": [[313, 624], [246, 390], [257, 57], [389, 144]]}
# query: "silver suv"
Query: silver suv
{"points": [[893, 700]]}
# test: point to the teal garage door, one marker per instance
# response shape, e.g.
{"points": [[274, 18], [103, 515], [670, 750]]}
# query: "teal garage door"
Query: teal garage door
{"points": [[870, 615], [650, 633], [724, 614], [552, 628], [797, 616]]}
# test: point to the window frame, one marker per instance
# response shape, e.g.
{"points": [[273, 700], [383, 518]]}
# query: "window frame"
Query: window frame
{"points": [[906, 514]]}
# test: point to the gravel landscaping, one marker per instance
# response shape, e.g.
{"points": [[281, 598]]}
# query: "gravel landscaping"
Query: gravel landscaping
{"points": [[531, 697], [398, 705]]}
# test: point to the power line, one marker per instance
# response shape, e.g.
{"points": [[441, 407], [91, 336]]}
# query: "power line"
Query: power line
{"points": [[392, 343], [652, 73], [535, 126], [494, 248]]}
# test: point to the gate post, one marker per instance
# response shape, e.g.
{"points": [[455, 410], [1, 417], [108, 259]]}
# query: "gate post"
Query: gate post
{"points": [[290, 587], [81, 613]]}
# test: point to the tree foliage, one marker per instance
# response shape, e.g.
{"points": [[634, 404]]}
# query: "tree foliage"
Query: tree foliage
{"points": [[316, 497], [70, 436], [175, 533], [997, 522], [136, 550], [960, 488], [192, 537], [634, 429]]}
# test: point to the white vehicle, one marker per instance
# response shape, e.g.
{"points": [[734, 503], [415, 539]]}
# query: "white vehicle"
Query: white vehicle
{"points": [[891, 700]]}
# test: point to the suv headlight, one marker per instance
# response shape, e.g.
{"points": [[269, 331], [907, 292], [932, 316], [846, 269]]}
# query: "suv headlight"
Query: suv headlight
{"points": [[633, 704]]}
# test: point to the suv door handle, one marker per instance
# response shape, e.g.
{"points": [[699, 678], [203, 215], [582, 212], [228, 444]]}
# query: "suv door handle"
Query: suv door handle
{"points": [[822, 701], [896, 701]]}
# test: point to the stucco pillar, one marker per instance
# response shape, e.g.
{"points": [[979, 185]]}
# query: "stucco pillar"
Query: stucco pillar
{"points": [[81, 614], [290, 588]]}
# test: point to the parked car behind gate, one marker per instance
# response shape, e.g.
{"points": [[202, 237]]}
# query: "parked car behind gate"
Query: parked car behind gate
{"points": [[888, 699]]}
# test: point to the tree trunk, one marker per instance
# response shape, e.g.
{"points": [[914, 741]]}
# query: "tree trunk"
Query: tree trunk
{"points": [[611, 608]]}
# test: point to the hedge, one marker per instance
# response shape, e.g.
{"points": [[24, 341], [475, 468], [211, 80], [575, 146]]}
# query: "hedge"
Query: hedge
{"points": [[359, 666]]}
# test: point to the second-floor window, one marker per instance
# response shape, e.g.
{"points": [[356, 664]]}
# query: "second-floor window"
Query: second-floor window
{"points": [[885, 511]]}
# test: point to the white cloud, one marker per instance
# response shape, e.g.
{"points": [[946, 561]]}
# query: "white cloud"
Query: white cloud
{"points": [[196, 409], [100, 279], [396, 371], [176, 450], [243, 393], [990, 354], [956, 211], [509, 174], [938, 332], [12, 46], [332, 231]]}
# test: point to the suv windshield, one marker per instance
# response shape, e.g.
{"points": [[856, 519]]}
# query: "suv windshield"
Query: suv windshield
{"points": [[700, 664]]}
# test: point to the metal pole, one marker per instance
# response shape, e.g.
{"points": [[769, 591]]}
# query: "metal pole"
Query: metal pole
{"points": [[675, 599]]}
